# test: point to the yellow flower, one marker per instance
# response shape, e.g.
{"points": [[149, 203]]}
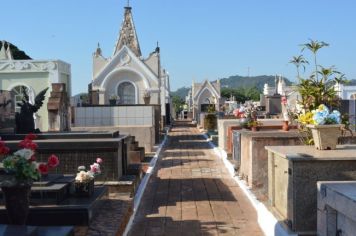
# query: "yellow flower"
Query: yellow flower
{"points": [[306, 118]]}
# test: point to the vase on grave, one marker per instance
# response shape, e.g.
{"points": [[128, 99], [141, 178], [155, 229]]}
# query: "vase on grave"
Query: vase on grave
{"points": [[325, 136], [17, 203], [146, 100], [84, 189]]}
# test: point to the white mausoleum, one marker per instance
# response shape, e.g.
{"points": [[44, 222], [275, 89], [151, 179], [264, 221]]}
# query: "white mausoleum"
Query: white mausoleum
{"points": [[127, 76]]}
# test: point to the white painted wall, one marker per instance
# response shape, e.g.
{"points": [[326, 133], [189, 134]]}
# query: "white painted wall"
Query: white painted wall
{"points": [[113, 116]]}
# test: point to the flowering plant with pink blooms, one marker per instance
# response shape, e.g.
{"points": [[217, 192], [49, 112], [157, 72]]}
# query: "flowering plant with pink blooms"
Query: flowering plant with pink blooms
{"points": [[21, 166], [84, 175]]}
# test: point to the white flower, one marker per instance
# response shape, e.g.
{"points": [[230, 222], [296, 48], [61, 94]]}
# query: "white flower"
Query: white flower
{"points": [[83, 176], [25, 153]]}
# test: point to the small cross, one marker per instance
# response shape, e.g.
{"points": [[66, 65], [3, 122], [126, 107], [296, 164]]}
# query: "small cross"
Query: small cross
{"points": [[128, 3]]}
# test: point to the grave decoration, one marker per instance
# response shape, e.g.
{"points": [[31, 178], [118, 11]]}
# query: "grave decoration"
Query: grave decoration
{"points": [[325, 126], [317, 94], [24, 120], [248, 115], [17, 173], [84, 181]]}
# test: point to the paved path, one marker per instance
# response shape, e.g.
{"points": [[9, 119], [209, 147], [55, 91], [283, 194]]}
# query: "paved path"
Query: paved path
{"points": [[191, 193]]}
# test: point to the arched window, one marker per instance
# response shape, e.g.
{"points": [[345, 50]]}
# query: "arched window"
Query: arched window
{"points": [[126, 92], [18, 93]]}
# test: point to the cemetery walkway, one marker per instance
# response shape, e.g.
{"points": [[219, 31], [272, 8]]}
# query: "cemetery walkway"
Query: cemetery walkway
{"points": [[191, 192]]}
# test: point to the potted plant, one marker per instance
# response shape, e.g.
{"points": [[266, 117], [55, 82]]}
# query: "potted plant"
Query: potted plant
{"points": [[315, 90], [147, 96], [113, 99], [325, 127], [254, 125], [210, 119], [84, 180], [18, 172]]}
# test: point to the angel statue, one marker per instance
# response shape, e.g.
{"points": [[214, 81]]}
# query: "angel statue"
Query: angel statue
{"points": [[24, 120]]}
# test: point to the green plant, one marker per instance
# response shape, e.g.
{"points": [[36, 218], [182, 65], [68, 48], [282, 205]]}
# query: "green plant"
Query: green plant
{"points": [[299, 61], [314, 91], [254, 123]]}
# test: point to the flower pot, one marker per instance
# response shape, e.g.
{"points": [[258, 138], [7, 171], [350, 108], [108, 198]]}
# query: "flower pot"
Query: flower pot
{"points": [[244, 122], [285, 126], [325, 136], [17, 203], [254, 128], [112, 102], [84, 189], [146, 100]]}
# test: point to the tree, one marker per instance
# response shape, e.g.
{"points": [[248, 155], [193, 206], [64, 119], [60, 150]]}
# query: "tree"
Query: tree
{"points": [[314, 46], [299, 61], [178, 103]]}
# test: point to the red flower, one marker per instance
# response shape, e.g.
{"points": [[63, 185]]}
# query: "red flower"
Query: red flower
{"points": [[43, 168], [4, 150], [31, 136], [53, 161], [27, 143]]}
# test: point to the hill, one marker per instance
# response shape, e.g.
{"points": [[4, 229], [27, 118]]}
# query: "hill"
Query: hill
{"points": [[181, 92], [237, 81]]}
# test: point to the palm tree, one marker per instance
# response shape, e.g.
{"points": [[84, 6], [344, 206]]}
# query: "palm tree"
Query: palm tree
{"points": [[314, 46], [299, 61]]}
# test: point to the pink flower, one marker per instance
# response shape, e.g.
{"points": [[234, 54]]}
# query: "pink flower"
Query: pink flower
{"points": [[53, 161], [284, 100], [99, 160], [95, 168], [43, 168]]}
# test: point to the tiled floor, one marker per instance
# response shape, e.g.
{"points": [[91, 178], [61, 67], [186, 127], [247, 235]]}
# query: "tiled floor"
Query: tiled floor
{"points": [[191, 193]]}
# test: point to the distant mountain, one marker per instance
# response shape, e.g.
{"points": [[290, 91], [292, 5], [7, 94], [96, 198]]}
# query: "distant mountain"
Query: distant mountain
{"points": [[237, 81], [181, 92]]}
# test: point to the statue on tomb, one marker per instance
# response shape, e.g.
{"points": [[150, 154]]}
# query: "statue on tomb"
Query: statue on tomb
{"points": [[25, 122]]}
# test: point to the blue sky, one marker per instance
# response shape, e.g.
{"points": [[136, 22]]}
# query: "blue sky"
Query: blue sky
{"points": [[199, 39]]}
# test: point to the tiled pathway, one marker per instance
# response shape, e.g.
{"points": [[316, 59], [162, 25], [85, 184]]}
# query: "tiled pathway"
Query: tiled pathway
{"points": [[191, 193]]}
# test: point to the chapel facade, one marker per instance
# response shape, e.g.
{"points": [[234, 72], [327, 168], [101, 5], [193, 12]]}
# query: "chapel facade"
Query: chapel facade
{"points": [[127, 76]]}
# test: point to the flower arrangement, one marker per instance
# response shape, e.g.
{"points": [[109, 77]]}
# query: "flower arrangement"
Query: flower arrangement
{"points": [[84, 175], [320, 116], [113, 97], [248, 110], [21, 166]]}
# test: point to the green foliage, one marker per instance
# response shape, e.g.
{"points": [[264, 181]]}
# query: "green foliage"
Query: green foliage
{"points": [[178, 103], [315, 91], [181, 92], [250, 82], [241, 94], [210, 122], [23, 169], [17, 53]]}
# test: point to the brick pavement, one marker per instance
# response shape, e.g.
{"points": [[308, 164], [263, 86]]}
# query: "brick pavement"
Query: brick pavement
{"points": [[191, 193]]}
